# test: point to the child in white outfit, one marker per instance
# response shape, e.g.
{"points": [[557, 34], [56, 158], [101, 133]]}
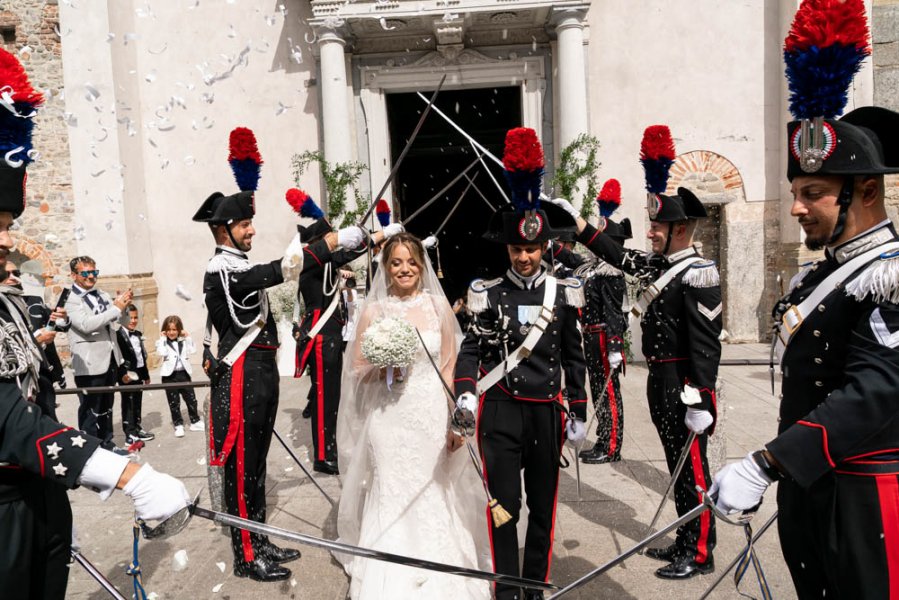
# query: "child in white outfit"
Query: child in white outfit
{"points": [[175, 347]]}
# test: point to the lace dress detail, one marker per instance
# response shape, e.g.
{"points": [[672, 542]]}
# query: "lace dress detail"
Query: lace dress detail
{"points": [[410, 506]]}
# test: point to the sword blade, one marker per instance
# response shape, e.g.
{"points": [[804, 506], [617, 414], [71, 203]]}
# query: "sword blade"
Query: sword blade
{"points": [[693, 514], [677, 469], [97, 575], [399, 161], [456, 206], [284, 534], [734, 562], [480, 193], [297, 460], [436, 196]]}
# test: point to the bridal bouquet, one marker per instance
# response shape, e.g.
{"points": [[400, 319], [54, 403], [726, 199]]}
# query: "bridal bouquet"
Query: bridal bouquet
{"points": [[389, 342]]}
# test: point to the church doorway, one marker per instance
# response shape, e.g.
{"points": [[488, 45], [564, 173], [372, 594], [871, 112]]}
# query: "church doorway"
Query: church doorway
{"points": [[438, 155]]}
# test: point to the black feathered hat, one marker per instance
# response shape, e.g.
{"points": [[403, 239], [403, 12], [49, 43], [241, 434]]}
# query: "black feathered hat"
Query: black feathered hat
{"points": [[671, 209], [620, 232], [221, 209], [246, 163]]}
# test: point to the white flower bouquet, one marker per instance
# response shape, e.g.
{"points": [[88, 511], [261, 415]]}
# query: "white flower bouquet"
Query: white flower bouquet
{"points": [[389, 342]]}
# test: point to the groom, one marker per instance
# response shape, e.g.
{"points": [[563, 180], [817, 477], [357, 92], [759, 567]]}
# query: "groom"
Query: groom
{"points": [[522, 341]]}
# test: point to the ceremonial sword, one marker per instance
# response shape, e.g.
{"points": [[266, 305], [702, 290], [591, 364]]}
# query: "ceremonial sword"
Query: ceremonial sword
{"points": [[263, 529], [296, 459], [399, 161], [449, 215], [674, 475], [436, 196]]}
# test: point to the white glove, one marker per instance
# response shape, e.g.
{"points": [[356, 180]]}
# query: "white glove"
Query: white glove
{"points": [[350, 237], [575, 431], [292, 263], [615, 360], [156, 496], [429, 242], [566, 206], [392, 229], [466, 409], [690, 395], [739, 486], [698, 420]]}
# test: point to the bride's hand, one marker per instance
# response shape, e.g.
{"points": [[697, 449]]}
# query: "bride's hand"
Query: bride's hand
{"points": [[454, 441]]}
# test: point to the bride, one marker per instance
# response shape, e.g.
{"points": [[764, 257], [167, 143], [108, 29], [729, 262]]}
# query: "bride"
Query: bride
{"points": [[406, 490]]}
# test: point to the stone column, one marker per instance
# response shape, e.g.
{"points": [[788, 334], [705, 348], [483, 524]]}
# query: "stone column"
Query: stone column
{"points": [[572, 74], [335, 107]]}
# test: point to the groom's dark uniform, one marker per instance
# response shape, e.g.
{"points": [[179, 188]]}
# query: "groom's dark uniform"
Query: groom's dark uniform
{"points": [[521, 420]]}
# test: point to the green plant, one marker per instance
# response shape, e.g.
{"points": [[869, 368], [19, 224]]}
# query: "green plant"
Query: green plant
{"points": [[578, 163], [338, 177]]}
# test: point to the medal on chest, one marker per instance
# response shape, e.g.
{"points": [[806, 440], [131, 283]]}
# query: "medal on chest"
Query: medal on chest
{"points": [[527, 316]]}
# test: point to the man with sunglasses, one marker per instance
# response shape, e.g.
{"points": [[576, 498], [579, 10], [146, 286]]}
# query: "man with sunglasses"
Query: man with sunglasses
{"points": [[96, 356]]}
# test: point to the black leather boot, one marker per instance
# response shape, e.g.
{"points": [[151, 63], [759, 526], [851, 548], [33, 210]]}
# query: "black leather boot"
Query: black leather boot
{"points": [[685, 567], [261, 569]]}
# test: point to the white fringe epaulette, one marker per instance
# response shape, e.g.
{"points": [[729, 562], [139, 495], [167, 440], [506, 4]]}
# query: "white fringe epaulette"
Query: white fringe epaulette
{"points": [[599, 268], [702, 274], [574, 291], [477, 294], [879, 280], [225, 261], [804, 269]]}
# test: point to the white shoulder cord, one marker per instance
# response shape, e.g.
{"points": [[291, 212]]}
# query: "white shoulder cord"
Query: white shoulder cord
{"points": [[223, 276]]}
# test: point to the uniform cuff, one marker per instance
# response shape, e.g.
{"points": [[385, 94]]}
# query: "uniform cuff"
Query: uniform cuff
{"points": [[802, 452], [102, 472]]}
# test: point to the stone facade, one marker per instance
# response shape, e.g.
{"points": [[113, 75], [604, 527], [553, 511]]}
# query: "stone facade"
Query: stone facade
{"points": [[885, 38]]}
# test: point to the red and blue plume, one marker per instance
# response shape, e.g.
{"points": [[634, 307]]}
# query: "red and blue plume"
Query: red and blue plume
{"points": [[657, 155], [303, 204], [824, 50], [609, 198], [383, 211], [523, 162], [20, 102], [243, 155]]}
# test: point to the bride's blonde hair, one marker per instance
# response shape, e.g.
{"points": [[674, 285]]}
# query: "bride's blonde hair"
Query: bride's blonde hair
{"points": [[412, 244]]}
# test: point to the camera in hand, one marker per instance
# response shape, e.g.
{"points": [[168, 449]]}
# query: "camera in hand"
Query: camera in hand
{"points": [[63, 297]]}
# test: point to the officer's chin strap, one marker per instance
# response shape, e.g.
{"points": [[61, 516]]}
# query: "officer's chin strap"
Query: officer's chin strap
{"points": [[668, 241], [230, 235], [843, 201]]}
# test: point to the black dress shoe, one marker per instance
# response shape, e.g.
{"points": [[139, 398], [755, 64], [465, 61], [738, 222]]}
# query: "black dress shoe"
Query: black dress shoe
{"points": [[684, 568], [594, 451], [329, 467], [261, 569], [278, 555], [600, 459], [307, 412], [668, 554]]}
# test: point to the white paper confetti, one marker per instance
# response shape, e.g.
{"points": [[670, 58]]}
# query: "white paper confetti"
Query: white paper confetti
{"points": [[201, 461], [216, 588], [78, 232], [182, 293], [221, 566], [90, 92], [179, 560]]}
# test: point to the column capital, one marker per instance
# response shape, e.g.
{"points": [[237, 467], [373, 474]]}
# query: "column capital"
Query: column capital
{"points": [[565, 18]]}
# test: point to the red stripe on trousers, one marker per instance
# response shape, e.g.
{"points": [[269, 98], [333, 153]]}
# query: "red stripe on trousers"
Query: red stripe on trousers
{"points": [[888, 491], [235, 417], [320, 398], [301, 362], [610, 393], [241, 495], [702, 544], [552, 529]]}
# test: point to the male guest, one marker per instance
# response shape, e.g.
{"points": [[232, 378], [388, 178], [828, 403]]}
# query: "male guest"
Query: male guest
{"points": [[133, 371]]}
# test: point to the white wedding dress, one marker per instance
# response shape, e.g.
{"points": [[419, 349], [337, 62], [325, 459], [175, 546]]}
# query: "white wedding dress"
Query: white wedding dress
{"points": [[404, 492]]}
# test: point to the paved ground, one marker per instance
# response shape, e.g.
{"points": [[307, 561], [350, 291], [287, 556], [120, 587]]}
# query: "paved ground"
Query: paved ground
{"points": [[617, 502]]}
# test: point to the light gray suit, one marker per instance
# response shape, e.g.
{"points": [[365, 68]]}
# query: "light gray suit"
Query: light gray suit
{"points": [[92, 338]]}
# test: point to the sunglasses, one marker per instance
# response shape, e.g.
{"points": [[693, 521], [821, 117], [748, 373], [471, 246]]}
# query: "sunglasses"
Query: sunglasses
{"points": [[15, 273], [94, 272]]}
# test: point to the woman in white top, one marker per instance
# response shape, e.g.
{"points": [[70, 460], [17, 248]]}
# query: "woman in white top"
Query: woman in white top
{"points": [[175, 348]]}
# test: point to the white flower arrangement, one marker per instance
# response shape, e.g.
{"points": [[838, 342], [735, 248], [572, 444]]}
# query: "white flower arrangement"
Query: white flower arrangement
{"points": [[389, 342]]}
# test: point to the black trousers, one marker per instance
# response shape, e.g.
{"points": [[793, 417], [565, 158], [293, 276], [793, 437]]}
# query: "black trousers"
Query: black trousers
{"points": [[242, 417], [696, 538], [840, 538], [325, 368], [516, 436], [95, 410], [606, 402], [132, 402], [173, 396], [36, 537]]}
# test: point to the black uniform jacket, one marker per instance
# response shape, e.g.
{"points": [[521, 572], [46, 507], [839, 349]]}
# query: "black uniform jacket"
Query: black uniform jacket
{"points": [[604, 291], [683, 323], [130, 363], [498, 328], [840, 393], [315, 301], [245, 287]]}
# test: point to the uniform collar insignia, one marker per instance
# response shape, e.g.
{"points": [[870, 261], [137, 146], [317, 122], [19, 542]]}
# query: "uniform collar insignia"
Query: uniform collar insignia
{"points": [[526, 282], [682, 254], [881, 233]]}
